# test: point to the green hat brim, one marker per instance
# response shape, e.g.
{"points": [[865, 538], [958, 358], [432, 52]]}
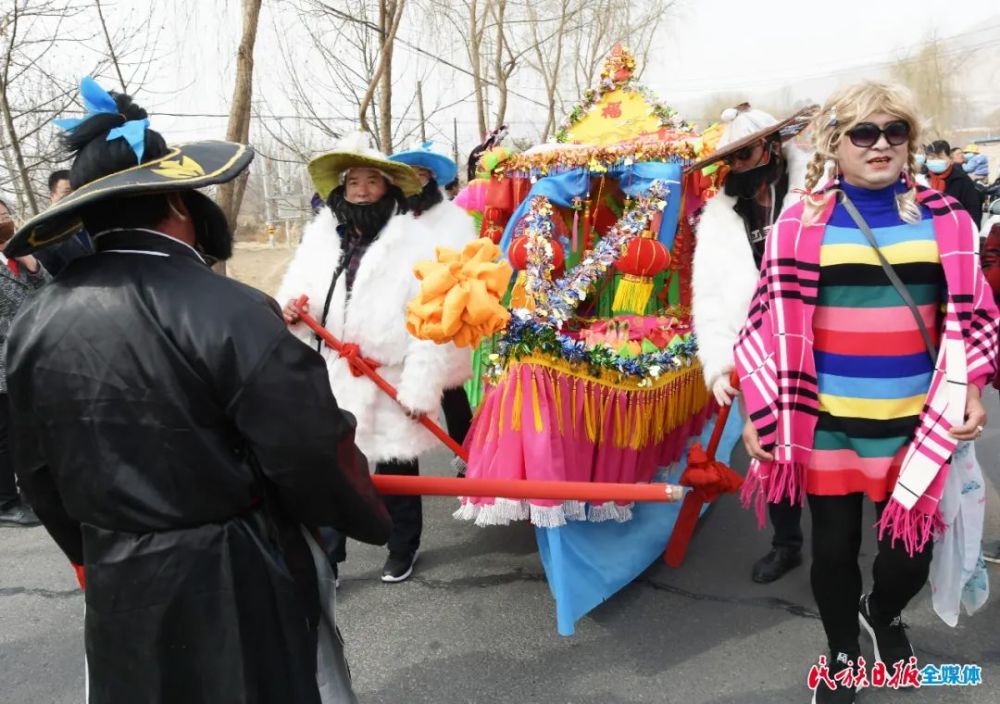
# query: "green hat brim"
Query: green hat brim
{"points": [[327, 171], [183, 167]]}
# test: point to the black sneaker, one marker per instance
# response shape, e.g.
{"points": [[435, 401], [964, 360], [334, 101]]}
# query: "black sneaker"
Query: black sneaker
{"points": [[840, 694], [398, 567], [776, 564], [19, 515], [888, 636]]}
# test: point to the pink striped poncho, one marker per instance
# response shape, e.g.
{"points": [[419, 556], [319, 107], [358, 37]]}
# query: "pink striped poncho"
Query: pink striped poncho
{"points": [[774, 359]]}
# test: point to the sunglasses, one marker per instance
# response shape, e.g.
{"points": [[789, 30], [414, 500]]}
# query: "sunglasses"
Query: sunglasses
{"points": [[741, 154], [866, 134]]}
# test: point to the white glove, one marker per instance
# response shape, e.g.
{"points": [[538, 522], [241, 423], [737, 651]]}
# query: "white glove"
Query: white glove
{"points": [[723, 391]]}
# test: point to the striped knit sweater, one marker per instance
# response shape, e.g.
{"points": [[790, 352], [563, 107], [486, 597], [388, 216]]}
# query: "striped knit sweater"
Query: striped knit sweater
{"points": [[775, 360], [873, 368]]}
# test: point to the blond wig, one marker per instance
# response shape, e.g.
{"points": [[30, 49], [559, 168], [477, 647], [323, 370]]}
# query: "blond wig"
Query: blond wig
{"points": [[841, 113]]}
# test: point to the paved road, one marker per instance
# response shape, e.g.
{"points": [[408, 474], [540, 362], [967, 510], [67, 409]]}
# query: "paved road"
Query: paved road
{"points": [[477, 623]]}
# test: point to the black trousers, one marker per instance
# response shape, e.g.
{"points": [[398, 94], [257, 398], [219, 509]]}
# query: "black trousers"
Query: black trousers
{"points": [[786, 518], [457, 413], [407, 514], [836, 576], [8, 484]]}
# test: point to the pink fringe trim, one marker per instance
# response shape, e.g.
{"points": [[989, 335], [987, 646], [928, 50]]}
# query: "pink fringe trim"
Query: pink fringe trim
{"points": [[784, 481], [914, 527]]}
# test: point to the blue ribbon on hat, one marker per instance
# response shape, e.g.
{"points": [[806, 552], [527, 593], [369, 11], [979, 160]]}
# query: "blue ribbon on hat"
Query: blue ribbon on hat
{"points": [[99, 101]]}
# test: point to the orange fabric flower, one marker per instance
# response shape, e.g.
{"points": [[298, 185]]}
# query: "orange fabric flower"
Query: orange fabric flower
{"points": [[459, 299]]}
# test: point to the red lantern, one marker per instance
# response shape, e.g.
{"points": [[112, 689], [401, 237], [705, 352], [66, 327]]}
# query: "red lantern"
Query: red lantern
{"points": [[642, 259], [517, 253], [499, 206]]}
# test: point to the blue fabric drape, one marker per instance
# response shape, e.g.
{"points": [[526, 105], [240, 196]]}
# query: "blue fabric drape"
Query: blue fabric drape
{"points": [[560, 189], [587, 563]]}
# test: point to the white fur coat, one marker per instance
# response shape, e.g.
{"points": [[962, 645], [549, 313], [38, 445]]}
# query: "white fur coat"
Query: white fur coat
{"points": [[450, 226], [374, 319], [724, 276]]}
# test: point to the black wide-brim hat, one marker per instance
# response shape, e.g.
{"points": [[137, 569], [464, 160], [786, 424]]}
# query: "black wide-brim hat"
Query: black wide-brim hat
{"points": [[184, 167]]}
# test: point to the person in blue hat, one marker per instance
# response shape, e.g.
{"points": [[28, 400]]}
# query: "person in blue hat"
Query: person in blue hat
{"points": [[451, 227]]}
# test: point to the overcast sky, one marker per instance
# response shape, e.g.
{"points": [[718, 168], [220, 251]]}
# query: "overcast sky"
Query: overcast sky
{"points": [[746, 48]]}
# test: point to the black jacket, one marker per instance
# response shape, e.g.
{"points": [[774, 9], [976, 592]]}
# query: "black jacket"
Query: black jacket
{"points": [[171, 435], [959, 186]]}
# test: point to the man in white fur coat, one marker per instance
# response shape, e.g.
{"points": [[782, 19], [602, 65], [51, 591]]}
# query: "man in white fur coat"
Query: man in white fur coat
{"points": [[452, 227], [763, 178], [355, 264]]}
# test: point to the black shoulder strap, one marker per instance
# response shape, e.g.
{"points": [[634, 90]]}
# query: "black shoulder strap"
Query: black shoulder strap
{"points": [[894, 279]]}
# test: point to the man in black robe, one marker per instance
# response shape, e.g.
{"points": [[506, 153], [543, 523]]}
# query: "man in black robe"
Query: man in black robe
{"points": [[174, 438]]}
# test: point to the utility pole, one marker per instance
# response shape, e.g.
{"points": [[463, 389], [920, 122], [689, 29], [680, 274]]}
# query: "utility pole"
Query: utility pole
{"points": [[268, 213], [420, 105]]}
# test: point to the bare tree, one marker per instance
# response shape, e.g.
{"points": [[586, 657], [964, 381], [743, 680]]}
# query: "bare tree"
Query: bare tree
{"points": [[37, 37], [929, 74], [112, 55], [230, 195], [330, 57], [29, 91], [390, 12], [549, 58], [607, 23]]}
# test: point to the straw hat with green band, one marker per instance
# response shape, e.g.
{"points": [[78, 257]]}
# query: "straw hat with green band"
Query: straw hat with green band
{"points": [[183, 167], [353, 151]]}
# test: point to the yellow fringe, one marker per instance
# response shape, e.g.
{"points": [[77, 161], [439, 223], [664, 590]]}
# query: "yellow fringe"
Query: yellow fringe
{"points": [[503, 398], [649, 415], [557, 394], [536, 409], [606, 401], [572, 405], [632, 295], [619, 426], [519, 297], [515, 423]]}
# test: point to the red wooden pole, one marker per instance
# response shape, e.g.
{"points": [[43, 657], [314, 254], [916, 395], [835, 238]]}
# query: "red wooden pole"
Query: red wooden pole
{"points": [[359, 364], [690, 511], [526, 489]]}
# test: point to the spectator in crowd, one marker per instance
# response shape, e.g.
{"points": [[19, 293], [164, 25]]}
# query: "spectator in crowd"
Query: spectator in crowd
{"points": [[976, 164], [948, 177], [55, 257], [18, 279]]}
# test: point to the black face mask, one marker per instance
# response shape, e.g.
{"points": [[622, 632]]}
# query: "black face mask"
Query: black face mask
{"points": [[368, 220], [749, 183], [428, 197], [213, 238]]}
